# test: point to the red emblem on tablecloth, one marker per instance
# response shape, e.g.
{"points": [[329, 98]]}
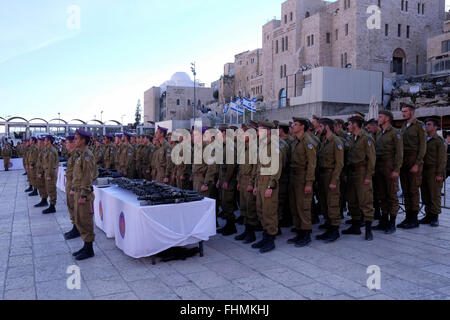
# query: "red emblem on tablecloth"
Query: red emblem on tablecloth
{"points": [[100, 211], [122, 225]]}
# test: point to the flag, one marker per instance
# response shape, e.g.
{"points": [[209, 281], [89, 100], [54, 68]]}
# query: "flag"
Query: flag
{"points": [[250, 105], [236, 108], [225, 109]]}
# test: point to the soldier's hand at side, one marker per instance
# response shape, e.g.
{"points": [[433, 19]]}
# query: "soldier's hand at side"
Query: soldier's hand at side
{"points": [[367, 182], [333, 187], [166, 180], [48, 179], [147, 171], [218, 185], [40, 176], [394, 175], [308, 190], [82, 201], [268, 193], [255, 191], [439, 179], [183, 178], [414, 169], [225, 186], [249, 188], [204, 188], [71, 193], [238, 187]]}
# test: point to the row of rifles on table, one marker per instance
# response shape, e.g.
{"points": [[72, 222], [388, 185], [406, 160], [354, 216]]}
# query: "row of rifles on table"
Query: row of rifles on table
{"points": [[151, 193]]}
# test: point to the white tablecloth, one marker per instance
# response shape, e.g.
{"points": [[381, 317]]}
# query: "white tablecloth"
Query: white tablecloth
{"points": [[61, 182], [145, 231], [15, 164]]}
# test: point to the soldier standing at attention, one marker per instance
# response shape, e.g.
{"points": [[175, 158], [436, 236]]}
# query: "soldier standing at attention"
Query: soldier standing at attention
{"points": [[284, 213], [126, 157], [50, 164], [389, 150], [40, 174], [163, 157], [226, 184], [147, 160], [85, 172], [414, 149], [330, 164], [117, 151], [109, 150], [98, 153], [302, 175], [266, 189], [73, 155], [246, 181], [435, 162], [360, 170], [182, 172], [32, 160], [6, 154]]}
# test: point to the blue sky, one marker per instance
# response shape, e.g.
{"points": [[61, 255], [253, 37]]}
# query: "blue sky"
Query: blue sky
{"points": [[120, 49]]}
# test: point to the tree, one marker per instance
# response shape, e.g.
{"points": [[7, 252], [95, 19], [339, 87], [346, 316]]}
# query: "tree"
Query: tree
{"points": [[137, 115]]}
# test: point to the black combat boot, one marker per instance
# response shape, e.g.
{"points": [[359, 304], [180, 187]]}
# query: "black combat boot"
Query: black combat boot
{"points": [[34, 193], [426, 220], [30, 188], [243, 235], [369, 235], [434, 221], [72, 234], [383, 224], [351, 221], [50, 209], [304, 240], [41, 204], [324, 235], [86, 253], [240, 220], [229, 229], [251, 237], [413, 221], [391, 229], [333, 234], [324, 226], [269, 245], [406, 221], [355, 229], [261, 243], [280, 233], [285, 222], [297, 237], [25, 175]]}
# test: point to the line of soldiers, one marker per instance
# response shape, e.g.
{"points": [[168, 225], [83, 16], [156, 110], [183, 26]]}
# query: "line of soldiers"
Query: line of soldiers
{"points": [[6, 152]]}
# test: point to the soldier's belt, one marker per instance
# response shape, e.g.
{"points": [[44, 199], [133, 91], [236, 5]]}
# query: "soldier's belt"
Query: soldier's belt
{"points": [[297, 171], [410, 153], [326, 169], [357, 166], [79, 190]]}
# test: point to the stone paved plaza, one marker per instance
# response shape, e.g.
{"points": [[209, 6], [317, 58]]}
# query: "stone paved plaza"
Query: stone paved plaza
{"points": [[34, 258]]}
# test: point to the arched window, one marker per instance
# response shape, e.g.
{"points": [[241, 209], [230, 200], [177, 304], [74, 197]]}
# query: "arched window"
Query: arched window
{"points": [[282, 100], [178, 102], [189, 102], [307, 14]]}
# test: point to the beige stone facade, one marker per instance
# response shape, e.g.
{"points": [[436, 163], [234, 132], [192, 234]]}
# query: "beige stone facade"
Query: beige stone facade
{"points": [[247, 67], [318, 33], [438, 53]]}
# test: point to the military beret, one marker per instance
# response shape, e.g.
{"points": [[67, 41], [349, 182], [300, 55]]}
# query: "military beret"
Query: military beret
{"points": [[359, 113], [268, 125], [435, 120], [223, 127], [407, 105], [356, 118], [163, 129], [283, 125], [109, 136], [33, 138], [70, 138], [41, 138], [372, 121], [340, 121], [119, 135], [129, 135], [316, 117], [204, 129], [83, 133], [301, 120], [50, 137], [387, 113], [234, 128]]}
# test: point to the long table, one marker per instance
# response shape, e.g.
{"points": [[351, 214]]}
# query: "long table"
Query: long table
{"points": [[15, 164], [146, 231]]}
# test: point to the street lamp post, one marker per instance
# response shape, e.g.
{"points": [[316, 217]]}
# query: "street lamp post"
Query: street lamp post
{"points": [[101, 116], [195, 98]]}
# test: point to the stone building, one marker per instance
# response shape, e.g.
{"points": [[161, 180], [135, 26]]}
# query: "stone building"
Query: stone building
{"points": [[438, 53], [247, 69], [174, 99], [313, 33]]}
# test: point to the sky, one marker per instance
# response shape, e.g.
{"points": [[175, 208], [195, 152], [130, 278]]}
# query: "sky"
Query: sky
{"points": [[81, 57]]}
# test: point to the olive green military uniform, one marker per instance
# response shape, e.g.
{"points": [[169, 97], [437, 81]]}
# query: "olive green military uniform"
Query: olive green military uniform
{"points": [[227, 174], [267, 208], [414, 148], [69, 178], [147, 161], [108, 157], [163, 162], [361, 167], [182, 174], [126, 161], [283, 193], [84, 173], [40, 173], [389, 151], [50, 164], [302, 174], [435, 162], [99, 156], [24, 153], [118, 151], [6, 154], [32, 160], [246, 177], [330, 164]]}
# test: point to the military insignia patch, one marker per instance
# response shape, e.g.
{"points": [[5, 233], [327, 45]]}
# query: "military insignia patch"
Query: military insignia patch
{"points": [[399, 135], [339, 146], [310, 146], [86, 157], [130, 154], [369, 142]]}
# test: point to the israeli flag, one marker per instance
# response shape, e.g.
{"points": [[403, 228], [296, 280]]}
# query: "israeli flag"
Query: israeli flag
{"points": [[249, 105], [225, 109], [236, 108]]}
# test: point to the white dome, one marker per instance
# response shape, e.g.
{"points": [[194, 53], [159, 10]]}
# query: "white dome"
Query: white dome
{"points": [[179, 79]]}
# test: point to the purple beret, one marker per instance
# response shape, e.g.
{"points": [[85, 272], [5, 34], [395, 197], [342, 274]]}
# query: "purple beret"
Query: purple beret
{"points": [[33, 138], [49, 137], [110, 136], [204, 129], [129, 135], [163, 129], [41, 138], [70, 138], [83, 133], [119, 135]]}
